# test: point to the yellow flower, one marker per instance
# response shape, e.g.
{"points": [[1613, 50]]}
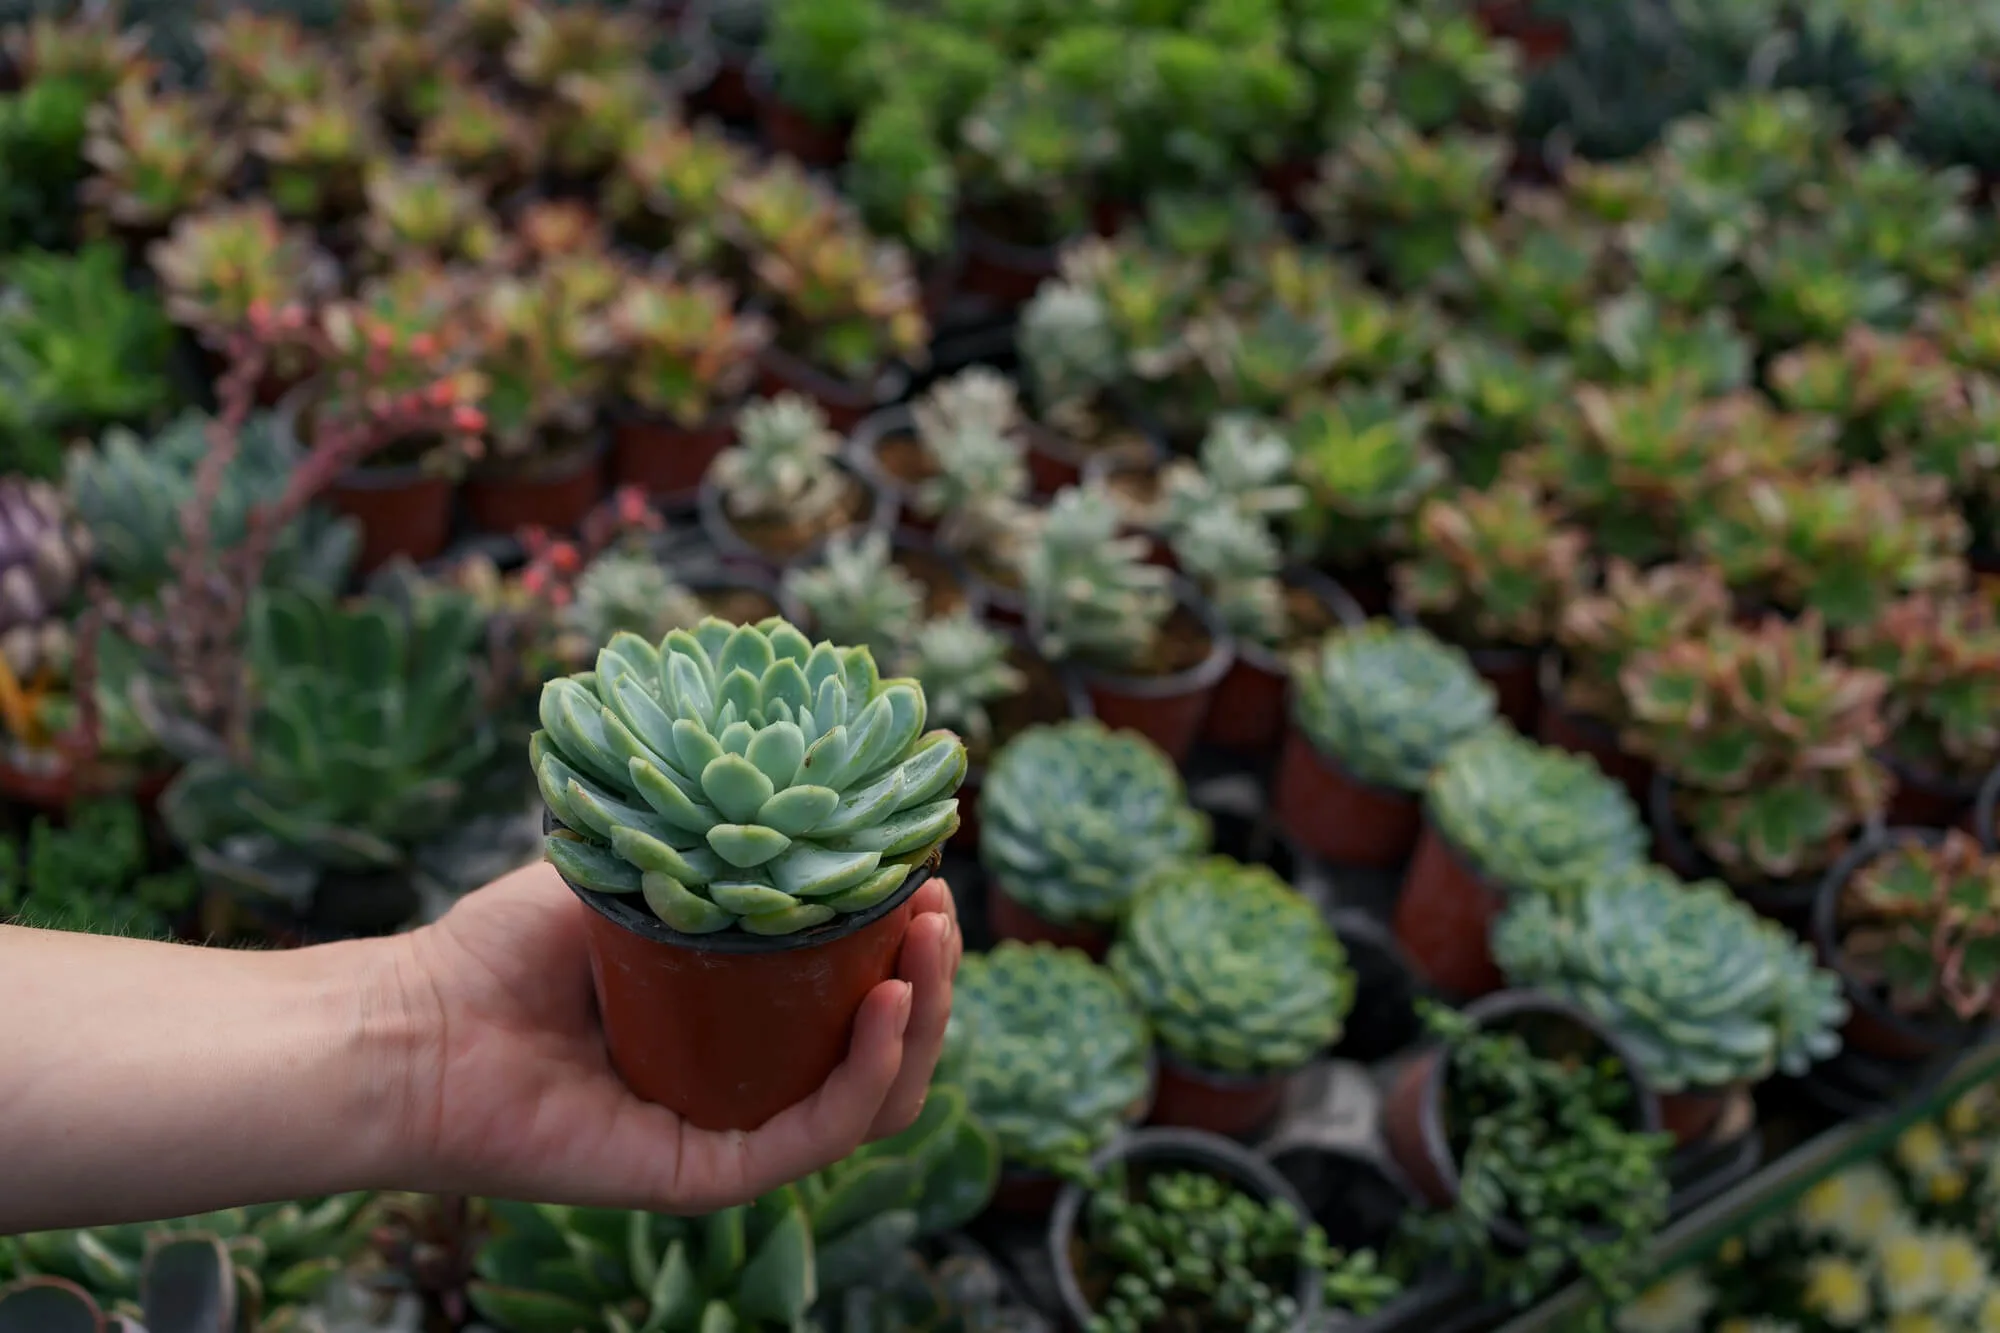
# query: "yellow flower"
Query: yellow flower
{"points": [[1922, 1150], [1946, 1187], [1908, 1267], [1861, 1206], [1961, 1269], [1837, 1291], [1676, 1304]]}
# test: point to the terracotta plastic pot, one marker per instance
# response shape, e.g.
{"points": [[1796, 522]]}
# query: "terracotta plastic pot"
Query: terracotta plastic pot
{"points": [[1788, 903], [1985, 824], [729, 1029], [733, 546], [1001, 271], [1166, 710], [1689, 1115], [1556, 725], [1512, 673], [401, 511], [1923, 800], [1873, 1028], [1336, 816], [1168, 1150], [789, 131], [1413, 1112], [1234, 1105], [845, 402], [53, 790], [1248, 713], [664, 458], [1011, 919], [1444, 916], [558, 497]]}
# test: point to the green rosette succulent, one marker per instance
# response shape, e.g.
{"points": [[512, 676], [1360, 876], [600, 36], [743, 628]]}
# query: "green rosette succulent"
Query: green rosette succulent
{"points": [[742, 776], [1051, 1051], [1235, 970], [1074, 818], [1703, 991], [1387, 702], [1532, 817]]}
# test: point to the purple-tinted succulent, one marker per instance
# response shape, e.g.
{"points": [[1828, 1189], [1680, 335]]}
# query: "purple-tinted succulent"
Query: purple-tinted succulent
{"points": [[42, 556]]}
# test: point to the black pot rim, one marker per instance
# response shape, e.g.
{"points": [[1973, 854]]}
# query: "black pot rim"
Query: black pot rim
{"points": [[867, 437], [617, 908], [1347, 614], [888, 385], [1489, 657], [1195, 1149], [1793, 896], [731, 544], [1943, 1034], [1144, 448], [1503, 1004], [1985, 827], [975, 241], [747, 580], [1203, 675]]}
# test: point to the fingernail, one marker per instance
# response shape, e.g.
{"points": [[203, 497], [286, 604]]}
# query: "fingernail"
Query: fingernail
{"points": [[903, 1003]]}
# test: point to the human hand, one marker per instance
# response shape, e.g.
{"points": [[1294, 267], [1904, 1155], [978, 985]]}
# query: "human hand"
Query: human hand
{"points": [[513, 1096]]}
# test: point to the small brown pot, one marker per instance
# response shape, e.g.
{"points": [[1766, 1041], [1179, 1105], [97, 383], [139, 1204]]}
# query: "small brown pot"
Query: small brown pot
{"points": [[845, 402], [735, 547], [1925, 800], [1511, 671], [1444, 916], [1690, 1115], [1557, 725], [1166, 710], [727, 1030], [401, 511], [664, 458], [1873, 1028], [1336, 816], [1248, 713], [53, 790], [1789, 903], [1010, 919], [1234, 1105], [1412, 1115], [789, 131], [557, 496], [1003, 272]]}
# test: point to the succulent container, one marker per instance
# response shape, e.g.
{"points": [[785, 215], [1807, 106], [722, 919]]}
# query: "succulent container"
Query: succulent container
{"points": [[776, 496], [1248, 711], [556, 494], [736, 924], [1558, 724]]}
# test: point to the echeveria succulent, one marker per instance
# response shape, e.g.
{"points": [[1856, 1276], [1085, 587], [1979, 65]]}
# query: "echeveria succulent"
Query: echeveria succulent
{"points": [[1703, 991], [743, 776], [1234, 969], [1387, 702], [1075, 817]]}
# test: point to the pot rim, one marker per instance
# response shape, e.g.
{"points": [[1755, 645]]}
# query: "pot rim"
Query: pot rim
{"points": [[622, 410], [890, 383], [618, 910], [1792, 895], [1946, 1034], [747, 580], [1203, 675], [729, 543], [1190, 1148], [591, 447], [1910, 775], [1347, 775], [1503, 1004], [867, 437], [976, 241]]}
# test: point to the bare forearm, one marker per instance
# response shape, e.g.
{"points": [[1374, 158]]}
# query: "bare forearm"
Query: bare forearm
{"points": [[141, 1080]]}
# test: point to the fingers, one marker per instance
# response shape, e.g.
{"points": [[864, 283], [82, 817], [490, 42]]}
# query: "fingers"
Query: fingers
{"points": [[929, 960], [718, 1170]]}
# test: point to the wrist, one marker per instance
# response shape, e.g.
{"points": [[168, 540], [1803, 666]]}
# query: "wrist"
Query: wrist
{"points": [[397, 1046]]}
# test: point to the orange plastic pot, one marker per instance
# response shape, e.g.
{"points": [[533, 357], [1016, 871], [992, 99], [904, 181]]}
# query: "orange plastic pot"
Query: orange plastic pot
{"points": [[727, 1030], [1169, 711], [1338, 817], [1689, 1115], [401, 511], [663, 458], [557, 498], [1010, 919], [1444, 916], [1235, 1105]]}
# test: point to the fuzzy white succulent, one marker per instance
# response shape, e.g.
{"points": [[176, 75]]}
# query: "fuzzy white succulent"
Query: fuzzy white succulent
{"points": [[1067, 345], [630, 591], [784, 463], [857, 594], [976, 399], [1235, 558], [963, 667]]}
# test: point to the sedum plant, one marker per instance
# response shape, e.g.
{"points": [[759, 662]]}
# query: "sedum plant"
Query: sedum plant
{"points": [[1532, 818], [783, 464], [1075, 817], [1536, 271], [963, 665], [688, 353], [1638, 339], [1768, 739], [1941, 655], [1387, 702], [969, 430], [1366, 461], [549, 43], [1884, 389], [94, 874], [156, 155], [1493, 567], [857, 593], [264, 64], [540, 350], [594, 118], [1922, 922], [1705, 993], [1490, 396], [474, 132], [1636, 611], [217, 266], [1092, 595], [743, 776], [45, 555], [1051, 1052], [1069, 352], [1233, 969]]}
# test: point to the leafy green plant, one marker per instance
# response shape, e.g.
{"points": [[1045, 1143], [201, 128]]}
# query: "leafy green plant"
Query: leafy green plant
{"points": [[42, 127], [1941, 655], [1387, 703], [220, 264], [1490, 396], [1075, 817], [1530, 818], [424, 208], [1366, 460], [1406, 197], [820, 56], [1536, 271], [1092, 594], [1232, 968], [858, 594], [1639, 339], [1051, 1052], [539, 350], [1922, 922], [1636, 611], [93, 874], [1883, 388], [1705, 993], [688, 352], [155, 155], [1494, 566]]}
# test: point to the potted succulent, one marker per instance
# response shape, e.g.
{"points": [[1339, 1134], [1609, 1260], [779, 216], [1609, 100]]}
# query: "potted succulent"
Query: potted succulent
{"points": [[688, 356], [858, 594], [1374, 711], [1242, 984], [669, 189], [1583, 706], [1149, 653], [424, 209], [817, 70], [1405, 197], [45, 554], [263, 64], [1503, 817], [1074, 819], [1765, 746], [1492, 396], [975, 492], [1492, 571], [155, 154], [1366, 461], [1910, 920], [713, 889], [921, 453], [781, 491], [1530, 1128], [1941, 655], [1053, 1056], [1072, 365], [1121, 1246], [472, 130], [1708, 997], [315, 156]]}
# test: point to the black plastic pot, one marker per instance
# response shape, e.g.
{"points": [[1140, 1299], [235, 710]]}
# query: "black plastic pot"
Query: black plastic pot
{"points": [[1927, 800], [1873, 1028], [846, 402], [1188, 1150], [863, 443], [1789, 903], [736, 549], [1985, 826], [1359, 1199], [748, 580]]}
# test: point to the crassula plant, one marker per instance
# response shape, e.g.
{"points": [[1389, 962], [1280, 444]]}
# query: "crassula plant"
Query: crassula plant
{"points": [[688, 353], [1531, 818], [1493, 567], [1767, 739], [1387, 702], [1074, 818], [1636, 611], [1233, 969], [1703, 992], [1092, 594], [1921, 921], [1941, 655], [742, 777], [1051, 1052]]}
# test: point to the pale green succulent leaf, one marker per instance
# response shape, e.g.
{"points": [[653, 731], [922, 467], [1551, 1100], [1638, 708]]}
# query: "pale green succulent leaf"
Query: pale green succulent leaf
{"points": [[682, 908], [590, 866], [798, 810], [669, 801], [693, 866], [814, 872]]}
